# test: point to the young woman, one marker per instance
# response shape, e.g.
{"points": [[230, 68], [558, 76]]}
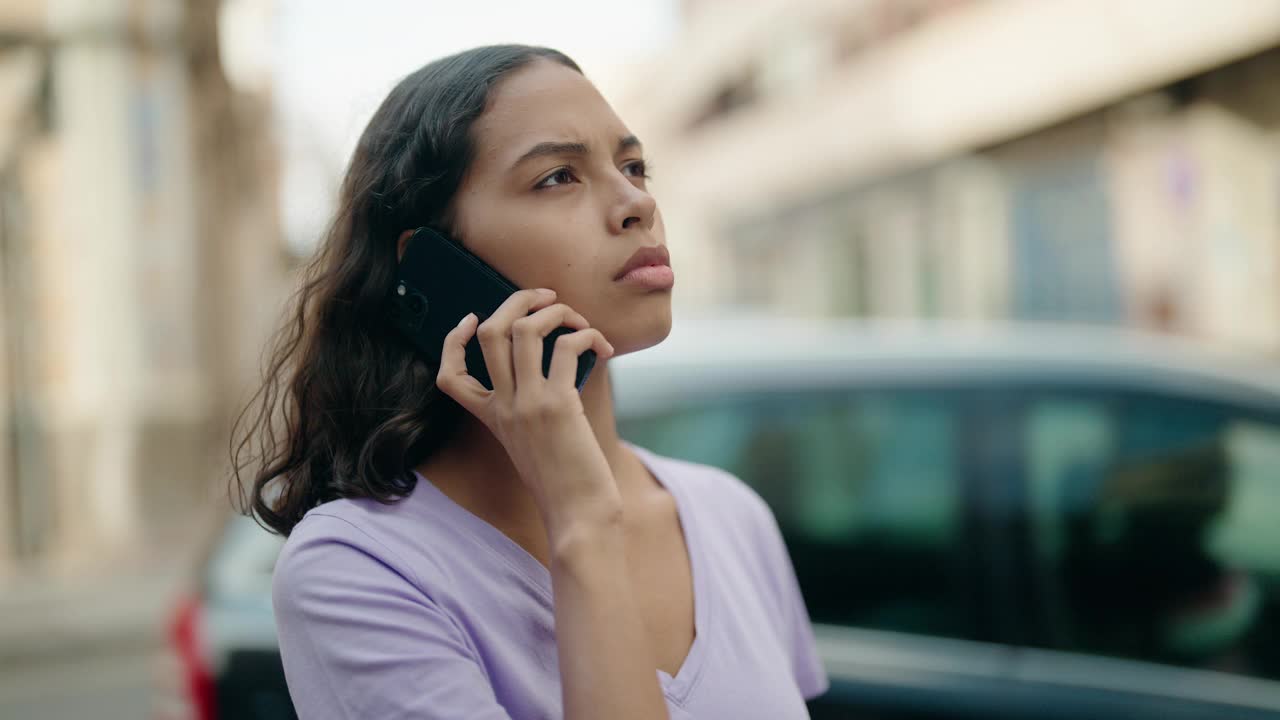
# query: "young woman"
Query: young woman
{"points": [[455, 552]]}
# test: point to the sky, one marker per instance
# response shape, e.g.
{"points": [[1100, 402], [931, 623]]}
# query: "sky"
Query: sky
{"points": [[330, 62]]}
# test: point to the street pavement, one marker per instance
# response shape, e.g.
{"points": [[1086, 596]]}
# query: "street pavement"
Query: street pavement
{"points": [[111, 686], [83, 648]]}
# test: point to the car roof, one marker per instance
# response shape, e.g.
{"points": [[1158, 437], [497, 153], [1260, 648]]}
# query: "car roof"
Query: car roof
{"points": [[715, 354]]}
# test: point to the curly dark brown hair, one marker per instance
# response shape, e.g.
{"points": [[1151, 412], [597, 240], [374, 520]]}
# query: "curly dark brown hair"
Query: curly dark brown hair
{"points": [[346, 408]]}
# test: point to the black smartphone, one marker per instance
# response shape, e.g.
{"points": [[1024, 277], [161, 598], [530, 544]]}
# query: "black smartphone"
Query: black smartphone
{"points": [[438, 283]]}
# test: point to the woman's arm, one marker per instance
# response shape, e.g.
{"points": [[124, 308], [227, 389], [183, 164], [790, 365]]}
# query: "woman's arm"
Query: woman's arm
{"points": [[606, 666]]}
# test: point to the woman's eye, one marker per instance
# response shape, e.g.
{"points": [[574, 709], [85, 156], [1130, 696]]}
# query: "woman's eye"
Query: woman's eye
{"points": [[563, 176], [637, 169]]}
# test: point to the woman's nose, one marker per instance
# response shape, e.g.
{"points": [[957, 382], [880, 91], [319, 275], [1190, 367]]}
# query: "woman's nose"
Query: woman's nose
{"points": [[634, 209]]}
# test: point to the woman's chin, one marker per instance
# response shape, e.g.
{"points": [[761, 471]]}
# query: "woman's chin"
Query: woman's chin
{"points": [[640, 331]]}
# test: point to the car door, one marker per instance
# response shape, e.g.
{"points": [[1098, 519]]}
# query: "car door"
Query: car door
{"points": [[1149, 564], [873, 490]]}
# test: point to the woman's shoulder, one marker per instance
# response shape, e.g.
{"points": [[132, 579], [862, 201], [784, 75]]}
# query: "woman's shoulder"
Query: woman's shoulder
{"points": [[365, 511], [363, 522], [364, 536], [345, 528]]}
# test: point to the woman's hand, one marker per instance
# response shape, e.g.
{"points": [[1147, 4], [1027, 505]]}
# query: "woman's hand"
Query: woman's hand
{"points": [[539, 420]]}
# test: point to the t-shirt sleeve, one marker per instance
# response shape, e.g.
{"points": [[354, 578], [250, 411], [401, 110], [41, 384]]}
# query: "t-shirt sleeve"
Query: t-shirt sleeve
{"points": [[797, 630], [360, 640]]}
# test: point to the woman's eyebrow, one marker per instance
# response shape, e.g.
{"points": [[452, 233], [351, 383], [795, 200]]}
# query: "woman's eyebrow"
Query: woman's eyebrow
{"points": [[544, 149], [628, 142]]}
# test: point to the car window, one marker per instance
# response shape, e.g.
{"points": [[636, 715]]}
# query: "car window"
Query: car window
{"points": [[1154, 530], [865, 487]]}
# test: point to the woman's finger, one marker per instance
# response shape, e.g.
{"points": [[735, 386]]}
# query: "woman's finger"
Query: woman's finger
{"points": [[453, 378], [564, 361], [528, 334], [495, 336]]}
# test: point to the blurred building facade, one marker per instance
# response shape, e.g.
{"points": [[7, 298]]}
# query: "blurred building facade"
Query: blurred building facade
{"points": [[141, 266], [1080, 161]]}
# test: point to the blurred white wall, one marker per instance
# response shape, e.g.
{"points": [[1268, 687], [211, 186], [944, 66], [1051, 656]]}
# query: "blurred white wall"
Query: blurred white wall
{"points": [[117, 268]]}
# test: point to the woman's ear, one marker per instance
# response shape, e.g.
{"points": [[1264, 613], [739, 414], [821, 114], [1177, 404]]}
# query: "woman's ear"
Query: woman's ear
{"points": [[404, 240]]}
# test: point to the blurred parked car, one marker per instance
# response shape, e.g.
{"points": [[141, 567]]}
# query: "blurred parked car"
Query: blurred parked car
{"points": [[1000, 522]]}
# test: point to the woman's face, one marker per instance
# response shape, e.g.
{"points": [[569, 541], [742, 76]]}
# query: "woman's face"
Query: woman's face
{"points": [[555, 197]]}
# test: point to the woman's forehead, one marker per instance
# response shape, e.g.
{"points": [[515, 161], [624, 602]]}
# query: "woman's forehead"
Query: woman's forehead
{"points": [[544, 102]]}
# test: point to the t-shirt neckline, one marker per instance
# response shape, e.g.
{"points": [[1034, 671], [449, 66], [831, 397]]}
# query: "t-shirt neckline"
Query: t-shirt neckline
{"points": [[538, 577]]}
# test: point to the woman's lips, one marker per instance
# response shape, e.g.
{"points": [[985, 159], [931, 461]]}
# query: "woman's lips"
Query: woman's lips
{"points": [[651, 277]]}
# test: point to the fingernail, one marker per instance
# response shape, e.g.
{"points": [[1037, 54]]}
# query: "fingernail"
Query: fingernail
{"points": [[464, 319], [546, 291]]}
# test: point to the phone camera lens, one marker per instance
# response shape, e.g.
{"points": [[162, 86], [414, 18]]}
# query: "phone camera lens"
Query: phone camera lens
{"points": [[417, 305]]}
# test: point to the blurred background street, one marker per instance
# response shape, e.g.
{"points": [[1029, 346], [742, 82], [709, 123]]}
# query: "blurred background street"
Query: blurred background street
{"points": [[115, 687], [167, 166]]}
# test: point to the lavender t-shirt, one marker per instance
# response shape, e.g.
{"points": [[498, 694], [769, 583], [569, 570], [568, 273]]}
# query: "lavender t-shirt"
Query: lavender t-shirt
{"points": [[421, 610]]}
